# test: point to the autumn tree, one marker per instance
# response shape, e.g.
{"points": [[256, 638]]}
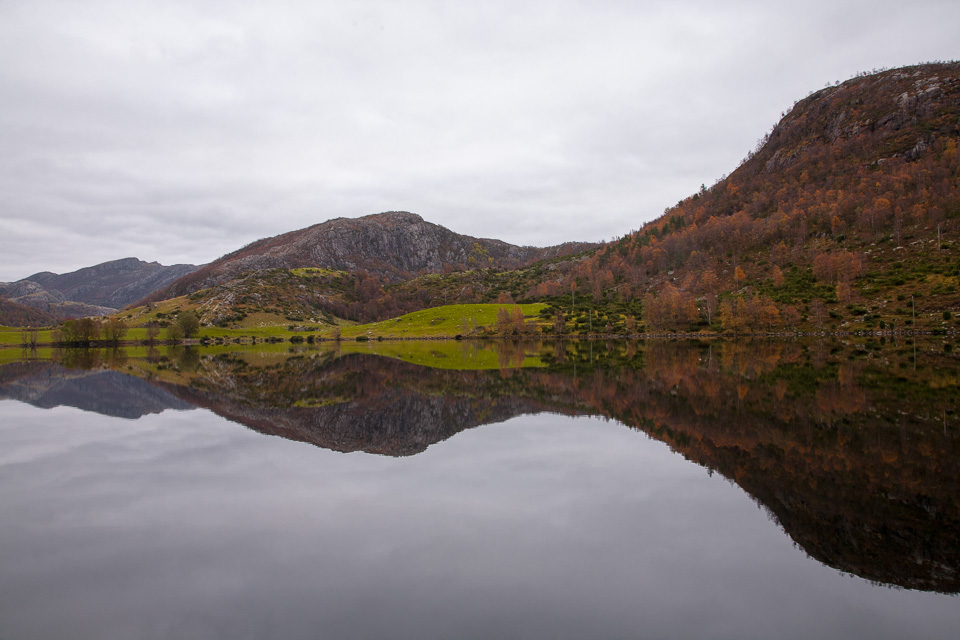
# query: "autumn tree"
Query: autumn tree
{"points": [[114, 330], [780, 254], [738, 277], [517, 318], [818, 311], [765, 312], [776, 276], [709, 285], [791, 316], [843, 292], [189, 324], [510, 320], [504, 324], [80, 332], [727, 315], [175, 332], [708, 307], [671, 308], [559, 322]]}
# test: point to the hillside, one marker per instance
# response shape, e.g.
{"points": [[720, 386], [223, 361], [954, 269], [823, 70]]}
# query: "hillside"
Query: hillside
{"points": [[315, 295], [46, 298], [13, 314], [845, 216], [393, 246], [52, 305]]}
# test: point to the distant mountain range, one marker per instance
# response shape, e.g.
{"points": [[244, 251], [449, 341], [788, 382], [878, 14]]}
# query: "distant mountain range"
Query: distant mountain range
{"points": [[92, 291]]}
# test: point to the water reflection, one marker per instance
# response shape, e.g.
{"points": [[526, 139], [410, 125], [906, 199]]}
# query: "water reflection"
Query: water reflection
{"points": [[852, 448]]}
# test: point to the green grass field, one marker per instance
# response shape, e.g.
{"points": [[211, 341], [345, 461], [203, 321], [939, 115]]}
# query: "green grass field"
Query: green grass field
{"points": [[468, 320], [14, 336], [317, 271], [438, 322]]}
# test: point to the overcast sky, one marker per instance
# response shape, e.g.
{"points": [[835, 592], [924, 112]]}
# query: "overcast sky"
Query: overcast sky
{"points": [[179, 131]]}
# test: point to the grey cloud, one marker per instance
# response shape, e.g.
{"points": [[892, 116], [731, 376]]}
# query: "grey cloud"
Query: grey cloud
{"points": [[182, 130]]}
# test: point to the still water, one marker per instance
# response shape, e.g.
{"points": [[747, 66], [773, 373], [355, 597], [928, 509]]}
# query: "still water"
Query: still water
{"points": [[602, 490]]}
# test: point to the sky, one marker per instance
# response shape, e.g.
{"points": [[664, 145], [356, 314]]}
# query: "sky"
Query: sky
{"points": [[178, 131]]}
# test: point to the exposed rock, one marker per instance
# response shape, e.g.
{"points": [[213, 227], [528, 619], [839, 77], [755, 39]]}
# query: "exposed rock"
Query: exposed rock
{"points": [[910, 106], [394, 245]]}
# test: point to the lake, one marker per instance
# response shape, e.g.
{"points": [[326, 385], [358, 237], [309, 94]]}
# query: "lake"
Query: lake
{"points": [[473, 490]]}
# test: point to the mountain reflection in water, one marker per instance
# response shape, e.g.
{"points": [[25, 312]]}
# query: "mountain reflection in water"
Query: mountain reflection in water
{"points": [[853, 449]]}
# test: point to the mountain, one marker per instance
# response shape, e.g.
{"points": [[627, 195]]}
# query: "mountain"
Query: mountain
{"points": [[13, 314], [113, 284], [847, 214], [53, 305], [394, 246]]}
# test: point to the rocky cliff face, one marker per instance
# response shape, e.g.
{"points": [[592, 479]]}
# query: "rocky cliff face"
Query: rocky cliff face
{"points": [[393, 245]]}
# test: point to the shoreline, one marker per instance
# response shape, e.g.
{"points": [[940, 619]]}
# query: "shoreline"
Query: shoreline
{"points": [[660, 335]]}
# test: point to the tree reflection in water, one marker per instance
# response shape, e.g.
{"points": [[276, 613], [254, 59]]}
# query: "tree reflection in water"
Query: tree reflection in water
{"points": [[852, 449]]}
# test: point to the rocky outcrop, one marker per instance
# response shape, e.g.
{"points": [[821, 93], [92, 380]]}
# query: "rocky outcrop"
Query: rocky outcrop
{"points": [[902, 108]]}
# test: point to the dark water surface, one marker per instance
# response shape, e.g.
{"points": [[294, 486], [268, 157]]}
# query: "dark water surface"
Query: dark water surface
{"points": [[613, 491]]}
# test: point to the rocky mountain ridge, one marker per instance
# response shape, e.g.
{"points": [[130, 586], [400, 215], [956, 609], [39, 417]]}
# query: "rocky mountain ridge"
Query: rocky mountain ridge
{"points": [[395, 246], [113, 284], [98, 290]]}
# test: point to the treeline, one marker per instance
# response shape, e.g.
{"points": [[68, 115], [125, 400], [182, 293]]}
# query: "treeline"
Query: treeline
{"points": [[94, 332], [86, 332]]}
